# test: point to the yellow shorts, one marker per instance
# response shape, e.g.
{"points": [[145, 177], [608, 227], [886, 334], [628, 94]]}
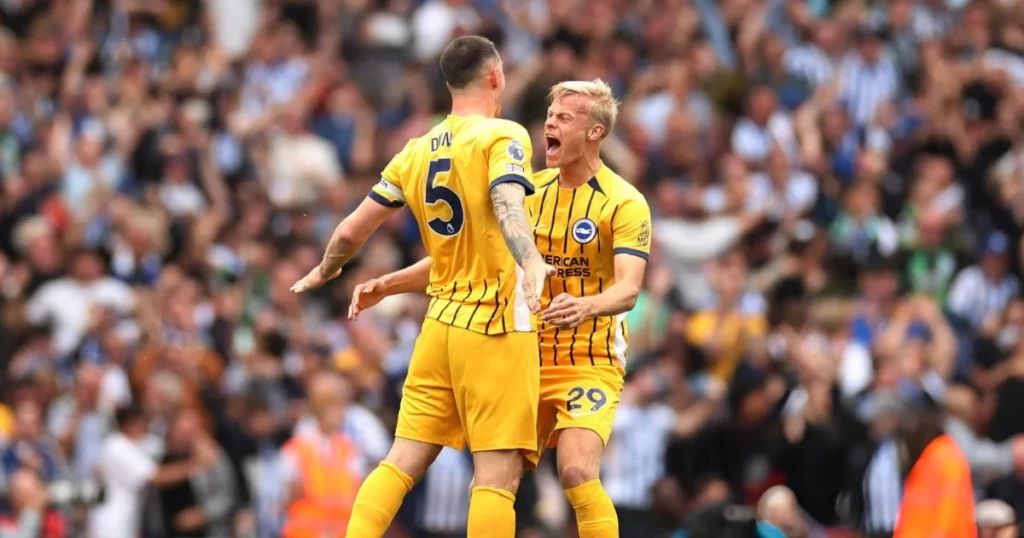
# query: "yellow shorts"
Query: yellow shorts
{"points": [[577, 397], [465, 386]]}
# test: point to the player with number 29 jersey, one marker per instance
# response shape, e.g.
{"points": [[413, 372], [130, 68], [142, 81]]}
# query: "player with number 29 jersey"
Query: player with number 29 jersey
{"points": [[473, 283]]}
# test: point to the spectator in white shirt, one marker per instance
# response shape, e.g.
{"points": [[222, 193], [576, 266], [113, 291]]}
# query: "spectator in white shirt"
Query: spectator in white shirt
{"points": [[763, 128], [126, 469], [784, 193], [732, 194], [982, 290], [179, 194], [70, 302], [435, 22], [680, 91], [817, 62], [302, 164]]}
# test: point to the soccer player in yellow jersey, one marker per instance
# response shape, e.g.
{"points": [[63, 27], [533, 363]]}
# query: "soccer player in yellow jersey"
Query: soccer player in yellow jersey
{"points": [[595, 229], [474, 374]]}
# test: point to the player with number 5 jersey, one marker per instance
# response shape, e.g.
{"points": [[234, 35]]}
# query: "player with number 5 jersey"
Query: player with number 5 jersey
{"points": [[474, 374], [473, 282]]}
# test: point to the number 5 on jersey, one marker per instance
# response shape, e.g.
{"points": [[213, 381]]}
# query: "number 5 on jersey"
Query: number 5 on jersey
{"points": [[440, 193]]}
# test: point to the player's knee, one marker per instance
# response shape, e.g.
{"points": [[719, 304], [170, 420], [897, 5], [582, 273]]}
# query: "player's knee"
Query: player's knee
{"points": [[579, 457], [573, 474]]}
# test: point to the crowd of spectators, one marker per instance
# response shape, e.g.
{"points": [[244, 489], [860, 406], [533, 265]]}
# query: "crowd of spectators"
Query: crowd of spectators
{"points": [[838, 200]]}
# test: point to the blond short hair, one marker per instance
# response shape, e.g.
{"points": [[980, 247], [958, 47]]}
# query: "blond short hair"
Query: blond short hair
{"points": [[601, 107]]}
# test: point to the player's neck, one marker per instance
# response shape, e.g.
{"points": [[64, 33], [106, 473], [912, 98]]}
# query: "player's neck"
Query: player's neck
{"points": [[469, 104], [580, 171]]}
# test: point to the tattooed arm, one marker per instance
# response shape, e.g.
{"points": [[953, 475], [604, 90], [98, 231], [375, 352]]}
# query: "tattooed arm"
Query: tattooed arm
{"points": [[509, 200], [346, 240]]}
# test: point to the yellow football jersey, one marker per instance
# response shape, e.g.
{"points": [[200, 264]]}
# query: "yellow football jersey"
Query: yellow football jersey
{"points": [[579, 231], [445, 177]]}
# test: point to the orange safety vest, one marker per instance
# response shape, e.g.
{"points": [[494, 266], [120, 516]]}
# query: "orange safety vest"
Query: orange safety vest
{"points": [[938, 499], [330, 482]]}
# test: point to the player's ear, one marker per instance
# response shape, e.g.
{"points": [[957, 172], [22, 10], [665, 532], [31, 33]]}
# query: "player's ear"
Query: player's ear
{"points": [[595, 132], [494, 76]]}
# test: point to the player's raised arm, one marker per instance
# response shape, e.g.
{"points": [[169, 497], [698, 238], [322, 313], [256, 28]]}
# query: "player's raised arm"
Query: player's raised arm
{"points": [[346, 240], [631, 235], [385, 198], [510, 183]]}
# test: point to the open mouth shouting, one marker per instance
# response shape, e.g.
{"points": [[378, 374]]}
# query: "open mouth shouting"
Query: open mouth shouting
{"points": [[554, 145]]}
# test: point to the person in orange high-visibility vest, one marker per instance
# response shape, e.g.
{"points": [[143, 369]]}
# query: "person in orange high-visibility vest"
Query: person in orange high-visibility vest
{"points": [[938, 498], [323, 465]]}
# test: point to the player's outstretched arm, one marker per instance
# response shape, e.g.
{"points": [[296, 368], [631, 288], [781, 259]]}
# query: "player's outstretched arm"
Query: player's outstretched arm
{"points": [[346, 240], [414, 278], [509, 199], [569, 311]]}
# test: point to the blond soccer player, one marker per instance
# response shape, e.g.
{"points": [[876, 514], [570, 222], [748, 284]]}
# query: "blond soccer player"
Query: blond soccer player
{"points": [[474, 375], [594, 228]]}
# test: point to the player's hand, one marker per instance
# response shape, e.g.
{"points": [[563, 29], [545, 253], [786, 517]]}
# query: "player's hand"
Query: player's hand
{"points": [[534, 277], [314, 279], [566, 311], [365, 296]]}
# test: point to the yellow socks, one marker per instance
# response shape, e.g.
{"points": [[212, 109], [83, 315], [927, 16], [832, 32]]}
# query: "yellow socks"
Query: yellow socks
{"points": [[595, 514], [491, 514], [378, 501]]}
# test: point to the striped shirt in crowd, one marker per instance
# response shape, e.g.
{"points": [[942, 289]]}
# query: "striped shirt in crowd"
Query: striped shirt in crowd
{"points": [[635, 457], [864, 87], [811, 64], [883, 489], [446, 500], [973, 297], [930, 23]]}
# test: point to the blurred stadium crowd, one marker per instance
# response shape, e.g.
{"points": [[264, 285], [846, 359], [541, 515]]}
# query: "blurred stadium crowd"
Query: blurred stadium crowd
{"points": [[838, 193]]}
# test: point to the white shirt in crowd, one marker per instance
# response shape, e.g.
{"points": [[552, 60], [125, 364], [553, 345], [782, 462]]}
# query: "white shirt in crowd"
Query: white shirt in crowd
{"points": [[753, 142], [125, 469], [435, 22], [182, 199], [688, 244], [69, 303], [811, 64], [654, 112], [972, 296], [234, 25], [300, 166], [796, 197], [635, 457]]}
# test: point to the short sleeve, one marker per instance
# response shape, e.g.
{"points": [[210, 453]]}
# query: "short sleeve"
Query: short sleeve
{"points": [[508, 157], [388, 191], [127, 465], [631, 228]]}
